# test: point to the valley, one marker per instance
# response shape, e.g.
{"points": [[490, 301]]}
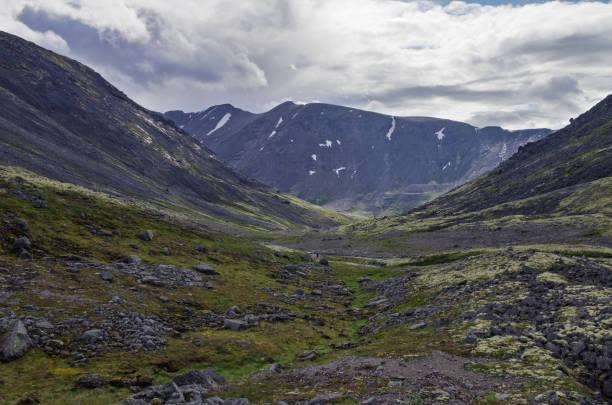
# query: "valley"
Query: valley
{"points": [[136, 268]]}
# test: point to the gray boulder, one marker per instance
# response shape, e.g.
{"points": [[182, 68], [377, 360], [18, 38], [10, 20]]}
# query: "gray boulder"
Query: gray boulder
{"points": [[235, 324], [16, 342], [205, 268], [22, 243], [147, 235], [92, 335], [132, 260], [106, 276]]}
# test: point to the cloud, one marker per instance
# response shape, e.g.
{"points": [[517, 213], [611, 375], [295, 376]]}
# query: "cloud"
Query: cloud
{"points": [[528, 65]]}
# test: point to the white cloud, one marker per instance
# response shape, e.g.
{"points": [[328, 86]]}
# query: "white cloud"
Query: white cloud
{"points": [[518, 66]]}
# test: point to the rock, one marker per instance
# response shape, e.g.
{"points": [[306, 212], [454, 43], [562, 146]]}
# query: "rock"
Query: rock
{"points": [[16, 342], [92, 335], [202, 249], [22, 225], [44, 324], [132, 260], [418, 325], [276, 368], [25, 255], [166, 251], [209, 285], [28, 400], [106, 276], [91, 381], [308, 355], [324, 399], [208, 378], [606, 387], [306, 257], [236, 401], [578, 347], [324, 262], [147, 235], [371, 401], [205, 268], [22, 243], [363, 280], [317, 292], [235, 324], [501, 397]]}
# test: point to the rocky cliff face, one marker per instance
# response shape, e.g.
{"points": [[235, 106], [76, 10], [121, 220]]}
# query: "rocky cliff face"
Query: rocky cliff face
{"points": [[349, 159]]}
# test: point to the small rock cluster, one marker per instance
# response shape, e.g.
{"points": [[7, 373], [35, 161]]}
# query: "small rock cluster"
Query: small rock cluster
{"points": [[191, 388]]}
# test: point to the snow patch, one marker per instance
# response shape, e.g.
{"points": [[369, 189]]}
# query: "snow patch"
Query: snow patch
{"points": [[182, 126], [262, 148], [291, 140], [446, 166], [338, 170], [327, 144], [503, 151], [271, 134], [440, 134], [221, 122], [311, 172], [148, 140], [206, 115], [338, 142], [314, 157], [390, 131], [280, 121]]}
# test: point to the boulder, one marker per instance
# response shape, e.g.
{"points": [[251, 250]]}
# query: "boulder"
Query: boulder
{"points": [[16, 342], [90, 381], [205, 268], [22, 225], [208, 378], [147, 235], [132, 260], [92, 335], [308, 355], [106, 276], [235, 324], [22, 243]]}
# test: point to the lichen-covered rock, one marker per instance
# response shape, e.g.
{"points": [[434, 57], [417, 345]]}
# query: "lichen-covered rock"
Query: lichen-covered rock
{"points": [[16, 342]]}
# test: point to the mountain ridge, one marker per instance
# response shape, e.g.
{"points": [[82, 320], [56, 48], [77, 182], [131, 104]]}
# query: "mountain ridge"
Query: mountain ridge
{"points": [[64, 121], [350, 159]]}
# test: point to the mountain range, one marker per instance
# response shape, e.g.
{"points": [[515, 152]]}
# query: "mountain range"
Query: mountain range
{"points": [[352, 160], [137, 268]]}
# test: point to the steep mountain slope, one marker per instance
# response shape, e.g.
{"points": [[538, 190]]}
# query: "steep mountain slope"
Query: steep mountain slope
{"points": [[62, 120], [351, 159], [575, 160]]}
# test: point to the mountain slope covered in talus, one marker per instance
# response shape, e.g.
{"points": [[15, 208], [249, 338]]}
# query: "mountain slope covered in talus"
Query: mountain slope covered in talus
{"points": [[349, 159], [574, 161], [62, 120]]}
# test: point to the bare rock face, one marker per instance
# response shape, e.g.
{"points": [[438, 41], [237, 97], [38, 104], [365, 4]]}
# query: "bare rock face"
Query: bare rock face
{"points": [[16, 342]]}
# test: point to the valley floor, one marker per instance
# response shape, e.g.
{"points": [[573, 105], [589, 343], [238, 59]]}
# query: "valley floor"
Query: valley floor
{"points": [[491, 310]]}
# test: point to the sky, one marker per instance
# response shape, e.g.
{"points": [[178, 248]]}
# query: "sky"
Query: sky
{"points": [[518, 64]]}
